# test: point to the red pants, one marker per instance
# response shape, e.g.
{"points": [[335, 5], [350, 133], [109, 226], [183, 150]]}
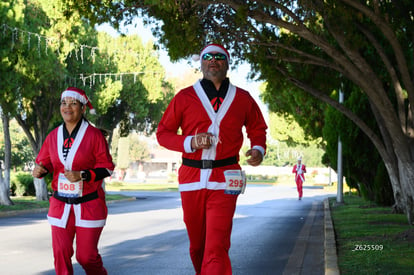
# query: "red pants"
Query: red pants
{"points": [[299, 185], [208, 215], [86, 248]]}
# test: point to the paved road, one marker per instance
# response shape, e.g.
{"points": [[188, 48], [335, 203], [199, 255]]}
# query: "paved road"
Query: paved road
{"points": [[147, 235]]}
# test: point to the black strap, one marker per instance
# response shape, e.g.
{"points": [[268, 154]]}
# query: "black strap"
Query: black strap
{"points": [[208, 163], [87, 197]]}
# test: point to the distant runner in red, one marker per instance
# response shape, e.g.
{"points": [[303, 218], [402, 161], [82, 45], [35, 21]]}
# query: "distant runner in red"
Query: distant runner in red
{"points": [[77, 155], [210, 115], [299, 170]]}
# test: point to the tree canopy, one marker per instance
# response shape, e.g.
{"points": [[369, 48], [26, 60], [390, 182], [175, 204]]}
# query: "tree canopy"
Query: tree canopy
{"points": [[306, 51], [46, 49]]}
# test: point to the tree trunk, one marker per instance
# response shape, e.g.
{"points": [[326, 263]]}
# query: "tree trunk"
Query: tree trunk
{"points": [[4, 191], [39, 184], [396, 188], [406, 170], [5, 181], [41, 189]]}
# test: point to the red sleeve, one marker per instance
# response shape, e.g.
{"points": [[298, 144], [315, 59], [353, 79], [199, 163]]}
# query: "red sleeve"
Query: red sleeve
{"points": [[167, 131], [44, 155], [256, 126], [102, 156]]}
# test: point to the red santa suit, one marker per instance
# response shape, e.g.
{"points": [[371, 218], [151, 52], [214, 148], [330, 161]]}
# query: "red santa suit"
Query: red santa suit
{"points": [[208, 212], [299, 170], [88, 151]]}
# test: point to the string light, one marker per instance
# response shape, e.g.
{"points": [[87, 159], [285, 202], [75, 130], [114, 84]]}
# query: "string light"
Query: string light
{"points": [[52, 40], [104, 76], [76, 49]]}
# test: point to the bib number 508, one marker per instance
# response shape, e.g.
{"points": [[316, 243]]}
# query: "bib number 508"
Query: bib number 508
{"points": [[67, 186]]}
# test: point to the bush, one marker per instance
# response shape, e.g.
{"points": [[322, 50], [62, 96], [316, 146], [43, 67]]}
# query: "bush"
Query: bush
{"points": [[48, 179], [261, 178], [114, 183], [21, 184]]}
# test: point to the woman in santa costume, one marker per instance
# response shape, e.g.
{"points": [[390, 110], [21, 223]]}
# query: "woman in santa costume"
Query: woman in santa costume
{"points": [[299, 170], [211, 115], [77, 154]]}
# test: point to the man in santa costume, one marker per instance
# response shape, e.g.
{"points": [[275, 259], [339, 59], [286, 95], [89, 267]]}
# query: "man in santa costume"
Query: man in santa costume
{"points": [[77, 154], [211, 115], [299, 170]]}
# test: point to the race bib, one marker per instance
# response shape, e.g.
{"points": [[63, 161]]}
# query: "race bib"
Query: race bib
{"points": [[235, 182], [69, 189]]}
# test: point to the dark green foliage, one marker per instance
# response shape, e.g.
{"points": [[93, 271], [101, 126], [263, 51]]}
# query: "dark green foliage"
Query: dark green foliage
{"points": [[21, 184], [362, 165], [382, 187]]}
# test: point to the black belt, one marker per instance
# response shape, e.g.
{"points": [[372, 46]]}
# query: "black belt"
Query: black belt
{"points": [[88, 197], [209, 163]]}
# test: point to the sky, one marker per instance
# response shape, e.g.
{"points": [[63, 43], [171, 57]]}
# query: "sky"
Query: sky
{"points": [[237, 76]]}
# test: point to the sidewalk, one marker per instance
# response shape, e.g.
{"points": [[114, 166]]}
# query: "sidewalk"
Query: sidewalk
{"points": [[315, 248]]}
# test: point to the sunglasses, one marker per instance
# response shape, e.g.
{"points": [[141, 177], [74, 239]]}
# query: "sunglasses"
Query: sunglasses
{"points": [[217, 56]]}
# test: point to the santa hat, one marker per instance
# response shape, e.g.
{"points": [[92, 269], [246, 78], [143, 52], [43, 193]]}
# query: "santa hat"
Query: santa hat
{"points": [[212, 48], [299, 158], [80, 95]]}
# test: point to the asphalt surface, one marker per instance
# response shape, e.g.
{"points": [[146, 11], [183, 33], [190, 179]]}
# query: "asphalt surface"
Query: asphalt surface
{"points": [[273, 233]]}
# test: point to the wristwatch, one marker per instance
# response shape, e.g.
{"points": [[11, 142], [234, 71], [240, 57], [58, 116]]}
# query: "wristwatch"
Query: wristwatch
{"points": [[84, 175]]}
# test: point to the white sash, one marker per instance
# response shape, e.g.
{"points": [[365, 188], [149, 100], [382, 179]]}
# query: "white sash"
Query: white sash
{"points": [[214, 128], [299, 169]]}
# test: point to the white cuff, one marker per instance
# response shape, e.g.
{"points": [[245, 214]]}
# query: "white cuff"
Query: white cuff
{"points": [[260, 148], [187, 145]]}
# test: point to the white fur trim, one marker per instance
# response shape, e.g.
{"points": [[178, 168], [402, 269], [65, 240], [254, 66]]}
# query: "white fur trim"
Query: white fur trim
{"points": [[259, 148], [198, 186], [60, 222], [187, 145], [86, 223], [76, 95]]}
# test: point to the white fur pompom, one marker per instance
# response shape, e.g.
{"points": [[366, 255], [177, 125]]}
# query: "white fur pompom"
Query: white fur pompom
{"points": [[92, 111], [195, 57]]}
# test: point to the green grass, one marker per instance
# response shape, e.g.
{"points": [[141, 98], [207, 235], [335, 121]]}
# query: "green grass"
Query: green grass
{"points": [[371, 239], [30, 202], [23, 203]]}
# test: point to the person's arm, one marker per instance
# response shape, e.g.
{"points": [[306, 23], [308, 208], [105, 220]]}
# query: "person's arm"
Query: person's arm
{"points": [[104, 165], [95, 174], [43, 164], [167, 130], [256, 131], [39, 171]]}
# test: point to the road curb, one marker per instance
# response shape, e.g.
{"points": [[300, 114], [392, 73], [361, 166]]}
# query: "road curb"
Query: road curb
{"points": [[331, 257], [294, 265], [22, 212]]}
